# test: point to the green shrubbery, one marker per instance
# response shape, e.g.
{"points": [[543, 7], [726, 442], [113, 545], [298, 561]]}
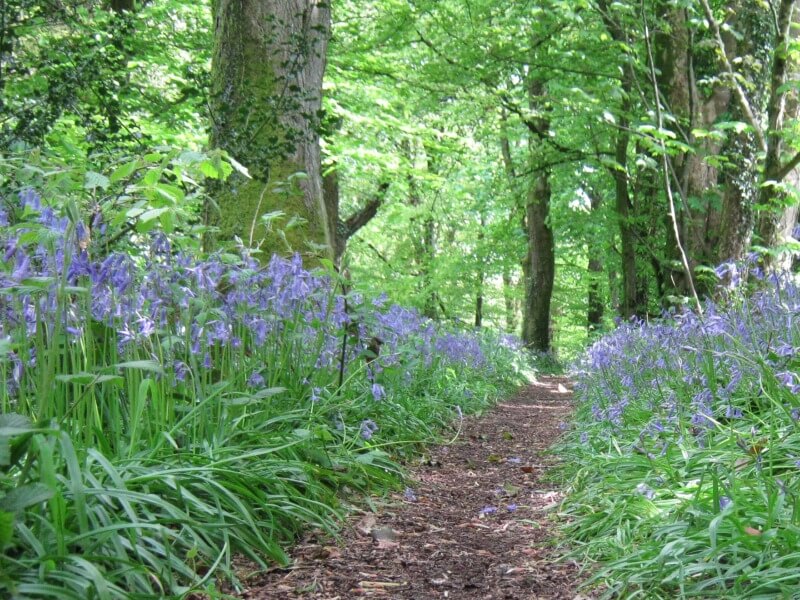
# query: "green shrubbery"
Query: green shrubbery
{"points": [[685, 462], [162, 414]]}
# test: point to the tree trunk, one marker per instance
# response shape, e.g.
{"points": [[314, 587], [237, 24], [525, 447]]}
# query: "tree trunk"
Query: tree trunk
{"points": [[481, 274], [540, 259], [266, 89], [509, 301], [595, 304], [541, 252], [119, 6], [780, 214], [511, 304], [632, 303]]}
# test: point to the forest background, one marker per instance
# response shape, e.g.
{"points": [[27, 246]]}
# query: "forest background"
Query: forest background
{"points": [[536, 167], [208, 211]]}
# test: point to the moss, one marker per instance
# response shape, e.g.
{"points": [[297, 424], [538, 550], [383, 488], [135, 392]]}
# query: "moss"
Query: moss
{"points": [[243, 202], [256, 121]]}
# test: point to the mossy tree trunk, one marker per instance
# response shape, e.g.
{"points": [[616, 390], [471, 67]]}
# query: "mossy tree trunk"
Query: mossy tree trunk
{"points": [[268, 64]]}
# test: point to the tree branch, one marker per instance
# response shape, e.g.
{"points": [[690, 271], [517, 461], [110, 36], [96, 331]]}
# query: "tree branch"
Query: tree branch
{"points": [[365, 214]]}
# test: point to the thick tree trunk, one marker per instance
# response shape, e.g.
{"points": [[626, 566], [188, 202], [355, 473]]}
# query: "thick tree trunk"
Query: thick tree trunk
{"points": [[119, 6], [741, 179], [267, 69]]}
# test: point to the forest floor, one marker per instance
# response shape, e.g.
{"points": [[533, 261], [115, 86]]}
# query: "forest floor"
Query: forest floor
{"points": [[446, 541]]}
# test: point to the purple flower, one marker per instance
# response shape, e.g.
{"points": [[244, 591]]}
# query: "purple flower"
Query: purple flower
{"points": [[724, 502], [378, 392], [488, 510], [181, 369], [645, 490], [30, 199], [732, 412], [368, 428], [789, 379], [256, 380], [160, 245], [409, 495], [511, 507]]}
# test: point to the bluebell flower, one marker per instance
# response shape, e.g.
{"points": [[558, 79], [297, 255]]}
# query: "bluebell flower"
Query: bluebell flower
{"points": [[368, 428], [645, 490], [256, 380], [180, 369], [789, 379]]}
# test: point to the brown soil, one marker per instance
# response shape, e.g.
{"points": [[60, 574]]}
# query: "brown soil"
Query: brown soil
{"points": [[448, 542]]}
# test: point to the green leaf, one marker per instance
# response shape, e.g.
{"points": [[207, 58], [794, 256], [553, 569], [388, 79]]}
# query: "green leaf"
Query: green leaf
{"points": [[94, 180], [25, 496], [124, 171], [84, 378], [6, 528], [152, 214], [142, 365]]}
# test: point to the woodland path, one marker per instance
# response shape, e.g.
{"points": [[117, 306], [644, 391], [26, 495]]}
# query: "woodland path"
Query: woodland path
{"points": [[442, 545]]}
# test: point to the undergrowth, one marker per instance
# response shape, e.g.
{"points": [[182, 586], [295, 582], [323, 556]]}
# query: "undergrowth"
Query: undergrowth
{"points": [[161, 414], [684, 462]]}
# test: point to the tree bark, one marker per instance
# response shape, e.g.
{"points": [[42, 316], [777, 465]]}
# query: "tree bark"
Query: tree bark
{"points": [[481, 275], [541, 252], [119, 6], [539, 266], [268, 63], [595, 304]]}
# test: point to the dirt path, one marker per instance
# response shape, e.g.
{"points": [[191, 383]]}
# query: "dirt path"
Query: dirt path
{"points": [[476, 526]]}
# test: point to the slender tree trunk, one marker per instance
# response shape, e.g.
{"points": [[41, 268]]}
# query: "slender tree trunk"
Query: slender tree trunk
{"points": [[542, 265], [596, 306], [536, 333], [632, 303], [424, 240], [511, 304], [509, 301], [267, 69], [481, 275], [778, 219], [479, 302]]}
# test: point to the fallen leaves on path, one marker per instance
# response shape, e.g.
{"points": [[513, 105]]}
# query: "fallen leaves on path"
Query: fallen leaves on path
{"points": [[475, 525]]}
